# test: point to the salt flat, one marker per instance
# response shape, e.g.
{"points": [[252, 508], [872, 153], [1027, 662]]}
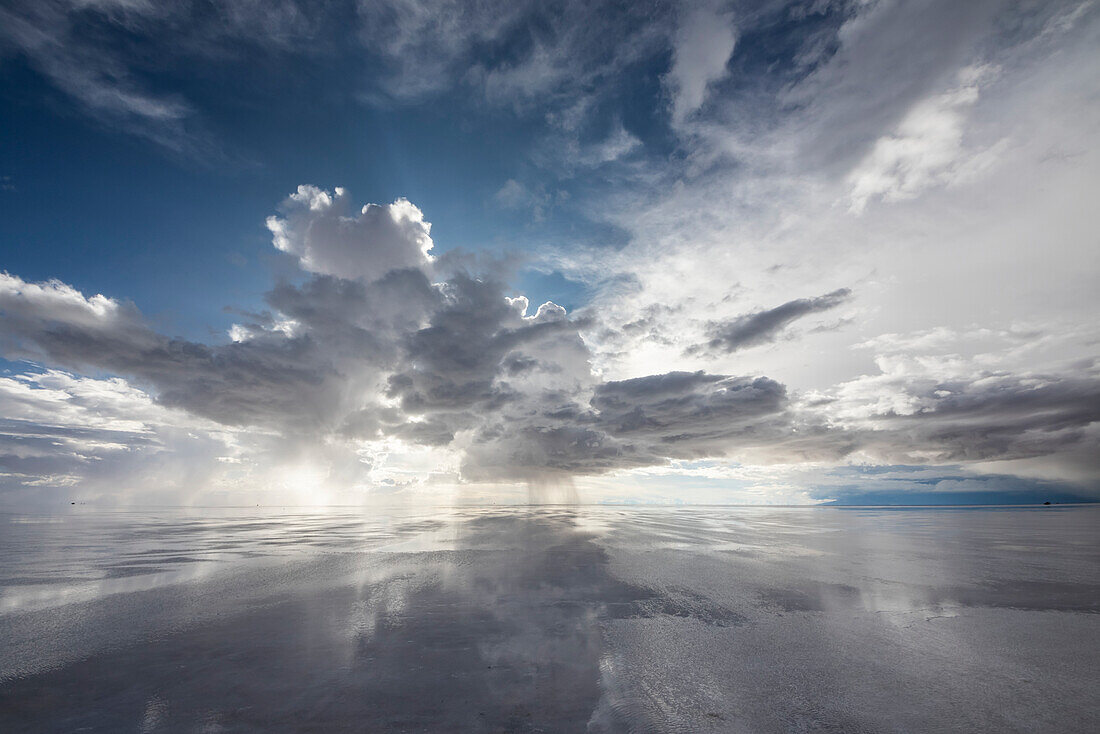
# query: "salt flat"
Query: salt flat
{"points": [[565, 618]]}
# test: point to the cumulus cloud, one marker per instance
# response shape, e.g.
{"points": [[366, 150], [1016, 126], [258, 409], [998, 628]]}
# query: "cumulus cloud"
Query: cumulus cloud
{"points": [[319, 229], [381, 352], [26, 305], [378, 353], [459, 365]]}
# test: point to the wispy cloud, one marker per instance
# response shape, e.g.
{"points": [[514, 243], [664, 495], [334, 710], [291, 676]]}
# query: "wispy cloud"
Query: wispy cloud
{"points": [[85, 49]]}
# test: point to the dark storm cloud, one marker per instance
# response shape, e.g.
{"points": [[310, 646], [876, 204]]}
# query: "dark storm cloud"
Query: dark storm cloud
{"points": [[324, 361], [763, 327], [629, 423], [456, 359], [355, 320], [687, 407]]}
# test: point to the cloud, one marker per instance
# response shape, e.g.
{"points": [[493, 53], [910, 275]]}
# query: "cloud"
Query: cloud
{"points": [[517, 196], [951, 410], [763, 327], [383, 353], [669, 406], [702, 45], [263, 382], [100, 82], [890, 59], [925, 150], [27, 304], [457, 358], [422, 43], [64, 435], [318, 228], [761, 204], [97, 52], [624, 424], [380, 353], [512, 194], [619, 143], [550, 61]]}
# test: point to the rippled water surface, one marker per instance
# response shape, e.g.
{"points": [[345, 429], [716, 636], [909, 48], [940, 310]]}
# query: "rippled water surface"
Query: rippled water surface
{"points": [[552, 619]]}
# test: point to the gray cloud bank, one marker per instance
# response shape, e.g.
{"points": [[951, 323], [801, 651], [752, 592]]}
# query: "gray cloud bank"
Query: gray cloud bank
{"points": [[380, 341]]}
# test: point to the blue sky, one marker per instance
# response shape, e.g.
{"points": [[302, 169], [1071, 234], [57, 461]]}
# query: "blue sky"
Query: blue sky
{"points": [[784, 243]]}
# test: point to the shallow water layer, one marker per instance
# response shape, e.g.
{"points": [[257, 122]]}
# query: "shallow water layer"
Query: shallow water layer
{"points": [[552, 619]]}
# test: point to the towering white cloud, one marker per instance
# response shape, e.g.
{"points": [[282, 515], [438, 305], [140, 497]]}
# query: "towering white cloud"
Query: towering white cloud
{"points": [[319, 229]]}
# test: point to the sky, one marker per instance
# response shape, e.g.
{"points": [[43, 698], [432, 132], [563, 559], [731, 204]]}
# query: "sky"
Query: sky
{"points": [[342, 252]]}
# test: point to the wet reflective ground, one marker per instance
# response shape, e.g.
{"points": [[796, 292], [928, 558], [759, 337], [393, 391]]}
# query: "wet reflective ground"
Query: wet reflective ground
{"points": [[552, 620]]}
